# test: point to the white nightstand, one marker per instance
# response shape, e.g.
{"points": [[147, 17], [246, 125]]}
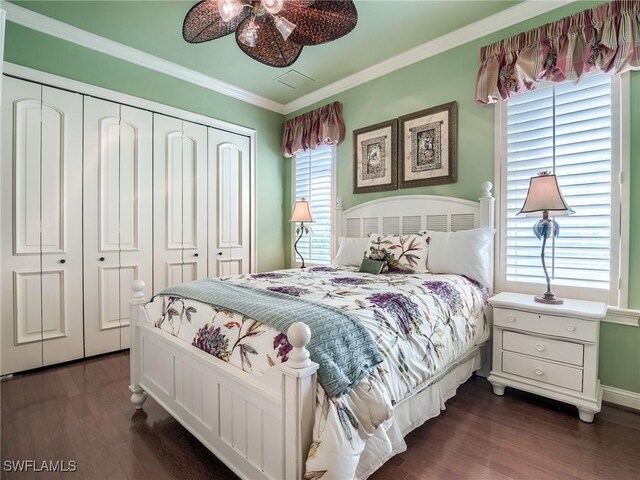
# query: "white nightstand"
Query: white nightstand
{"points": [[549, 350]]}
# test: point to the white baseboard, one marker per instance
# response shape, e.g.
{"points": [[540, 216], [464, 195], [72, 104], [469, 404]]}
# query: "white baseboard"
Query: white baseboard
{"points": [[621, 397]]}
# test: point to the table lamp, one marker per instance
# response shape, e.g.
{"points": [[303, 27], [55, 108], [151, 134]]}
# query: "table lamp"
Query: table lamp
{"points": [[544, 196], [301, 213]]}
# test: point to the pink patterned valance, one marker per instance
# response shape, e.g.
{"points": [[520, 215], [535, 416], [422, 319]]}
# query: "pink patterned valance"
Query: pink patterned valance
{"points": [[605, 38], [323, 126]]}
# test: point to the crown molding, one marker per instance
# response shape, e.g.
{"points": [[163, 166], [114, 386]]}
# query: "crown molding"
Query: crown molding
{"points": [[56, 28], [511, 16]]}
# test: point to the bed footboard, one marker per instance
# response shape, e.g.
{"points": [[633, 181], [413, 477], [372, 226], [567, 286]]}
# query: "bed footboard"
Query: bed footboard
{"points": [[259, 426]]}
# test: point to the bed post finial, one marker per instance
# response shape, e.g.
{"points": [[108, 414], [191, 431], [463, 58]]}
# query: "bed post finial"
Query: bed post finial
{"points": [[137, 286], [299, 335], [298, 401], [486, 206], [486, 190], [138, 396]]}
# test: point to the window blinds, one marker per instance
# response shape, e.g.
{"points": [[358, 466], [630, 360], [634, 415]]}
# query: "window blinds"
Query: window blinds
{"points": [[566, 129], [313, 177]]}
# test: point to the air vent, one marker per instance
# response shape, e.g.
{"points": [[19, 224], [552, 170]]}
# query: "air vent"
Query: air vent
{"points": [[293, 79]]}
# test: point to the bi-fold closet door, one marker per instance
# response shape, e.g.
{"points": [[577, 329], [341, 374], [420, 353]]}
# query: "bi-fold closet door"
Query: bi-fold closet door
{"points": [[229, 210], [41, 218], [118, 243], [180, 201]]}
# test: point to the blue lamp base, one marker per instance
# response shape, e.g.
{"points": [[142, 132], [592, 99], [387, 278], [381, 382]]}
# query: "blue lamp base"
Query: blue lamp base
{"points": [[544, 229]]}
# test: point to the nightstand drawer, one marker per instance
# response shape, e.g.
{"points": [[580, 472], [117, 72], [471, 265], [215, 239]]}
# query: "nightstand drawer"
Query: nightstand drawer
{"points": [[542, 371], [565, 352], [546, 324]]}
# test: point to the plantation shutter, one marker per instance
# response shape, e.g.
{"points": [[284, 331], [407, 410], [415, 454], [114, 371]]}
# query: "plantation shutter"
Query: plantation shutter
{"points": [[313, 182], [565, 129]]}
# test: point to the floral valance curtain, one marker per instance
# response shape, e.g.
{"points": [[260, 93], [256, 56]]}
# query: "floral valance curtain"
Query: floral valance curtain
{"points": [[323, 126], [605, 38]]}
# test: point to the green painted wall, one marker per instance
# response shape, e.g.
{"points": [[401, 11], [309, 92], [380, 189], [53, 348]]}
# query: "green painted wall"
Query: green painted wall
{"points": [[33, 49], [451, 76]]}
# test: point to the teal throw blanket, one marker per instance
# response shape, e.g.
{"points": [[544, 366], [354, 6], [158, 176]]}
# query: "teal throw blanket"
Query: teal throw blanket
{"points": [[340, 344]]}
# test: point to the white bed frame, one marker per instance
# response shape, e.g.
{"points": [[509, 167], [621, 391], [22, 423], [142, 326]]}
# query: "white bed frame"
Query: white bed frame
{"points": [[261, 426]]}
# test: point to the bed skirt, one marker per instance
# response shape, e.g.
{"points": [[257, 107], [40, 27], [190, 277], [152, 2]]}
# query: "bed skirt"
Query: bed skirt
{"points": [[388, 440]]}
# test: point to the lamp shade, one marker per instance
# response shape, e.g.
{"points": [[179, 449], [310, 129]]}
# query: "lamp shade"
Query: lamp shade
{"points": [[301, 212], [544, 194]]}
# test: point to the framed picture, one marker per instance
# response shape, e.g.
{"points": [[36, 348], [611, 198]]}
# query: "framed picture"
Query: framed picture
{"points": [[428, 155], [375, 157]]}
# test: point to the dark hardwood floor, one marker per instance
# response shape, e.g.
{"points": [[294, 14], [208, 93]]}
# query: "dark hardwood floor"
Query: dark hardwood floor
{"points": [[81, 412]]}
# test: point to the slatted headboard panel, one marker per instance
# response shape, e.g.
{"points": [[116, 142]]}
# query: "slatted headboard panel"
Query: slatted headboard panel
{"points": [[406, 214]]}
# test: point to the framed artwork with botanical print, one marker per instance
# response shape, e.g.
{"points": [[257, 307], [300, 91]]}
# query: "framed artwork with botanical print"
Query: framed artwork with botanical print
{"points": [[428, 152], [375, 157]]}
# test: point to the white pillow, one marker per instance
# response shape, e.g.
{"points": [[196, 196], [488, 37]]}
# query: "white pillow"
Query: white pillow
{"points": [[467, 252], [350, 251], [403, 253]]}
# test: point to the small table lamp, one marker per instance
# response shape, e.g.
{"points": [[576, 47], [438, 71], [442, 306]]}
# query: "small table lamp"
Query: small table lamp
{"points": [[544, 196], [301, 213]]}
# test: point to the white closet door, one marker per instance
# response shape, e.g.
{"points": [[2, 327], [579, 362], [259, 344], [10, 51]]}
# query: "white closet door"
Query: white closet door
{"points": [[229, 203], [21, 304], [167, 203], [136, 208], [61, 220], [42, 253], [194, 201], [179, 187], [117, 218]]}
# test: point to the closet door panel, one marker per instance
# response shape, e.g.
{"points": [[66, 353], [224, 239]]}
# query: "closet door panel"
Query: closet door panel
{"points": [[118, 218], [136, 208], [174, 191], [167, 201], [21, 295], [101, 226], [190, 271], [194, 203], [128, 273], [26, 169], [61, 196], [229, 208]]}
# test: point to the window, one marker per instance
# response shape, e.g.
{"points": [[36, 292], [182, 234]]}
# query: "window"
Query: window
{"points": [[313, 180], [572, 130]]}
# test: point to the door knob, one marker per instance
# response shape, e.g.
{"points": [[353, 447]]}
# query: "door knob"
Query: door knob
{"points": [[195, 254], [219, 253], [63, 261], [101, 259]]}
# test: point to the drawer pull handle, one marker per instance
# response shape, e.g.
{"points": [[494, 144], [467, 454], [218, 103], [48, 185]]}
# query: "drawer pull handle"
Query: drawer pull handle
{"points": [[571, 328], [539, 371], [511, 319], [539, 347]]}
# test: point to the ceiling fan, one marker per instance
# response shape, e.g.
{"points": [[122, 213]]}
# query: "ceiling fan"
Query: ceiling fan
{"points": [[272, 32]]}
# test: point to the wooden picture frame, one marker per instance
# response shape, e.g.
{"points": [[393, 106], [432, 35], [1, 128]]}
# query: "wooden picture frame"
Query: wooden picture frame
{"points": [[429, 147], [375, 157]]}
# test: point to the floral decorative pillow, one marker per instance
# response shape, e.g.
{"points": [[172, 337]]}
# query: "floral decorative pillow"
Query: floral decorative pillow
{"points": [[403, 253]]}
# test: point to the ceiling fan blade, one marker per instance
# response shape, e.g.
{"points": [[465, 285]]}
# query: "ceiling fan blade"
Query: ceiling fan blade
{"points": [[270, 48], [321, 22], [203, 22]]}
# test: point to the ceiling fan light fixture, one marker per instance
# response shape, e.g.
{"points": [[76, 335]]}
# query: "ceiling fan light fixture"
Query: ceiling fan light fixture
{"points": [[229, 9], [273, 32], [273, 6], [249, 35], [284, 26]]}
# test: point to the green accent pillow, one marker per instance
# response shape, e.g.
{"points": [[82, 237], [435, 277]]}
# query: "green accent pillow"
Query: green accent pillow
{"points": [[369, 265]]}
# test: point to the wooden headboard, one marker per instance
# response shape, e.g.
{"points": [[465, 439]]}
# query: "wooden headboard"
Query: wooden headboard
{"points": [[404, 214]]}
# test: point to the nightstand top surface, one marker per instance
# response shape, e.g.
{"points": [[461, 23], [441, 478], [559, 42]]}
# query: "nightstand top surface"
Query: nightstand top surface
{"points": [[570, 307]]}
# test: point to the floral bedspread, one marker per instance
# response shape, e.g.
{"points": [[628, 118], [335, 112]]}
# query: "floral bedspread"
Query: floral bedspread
{"points": [[421, 323]]}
